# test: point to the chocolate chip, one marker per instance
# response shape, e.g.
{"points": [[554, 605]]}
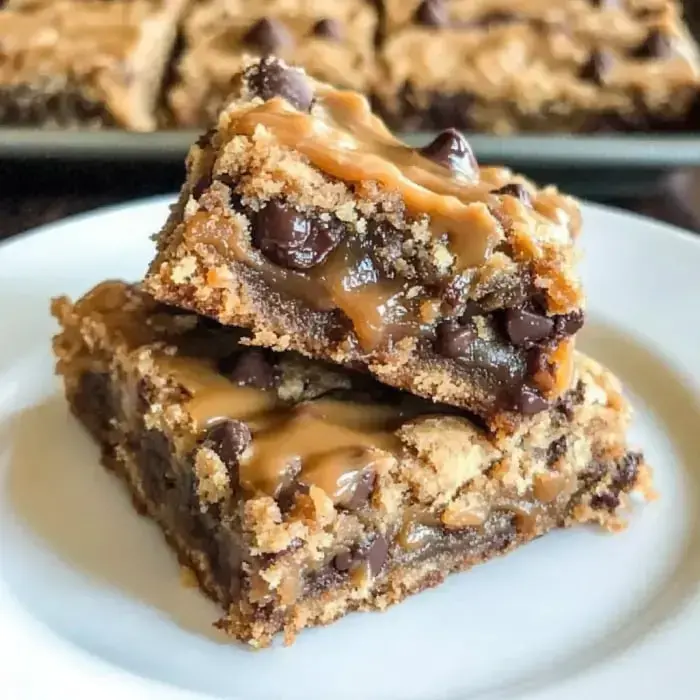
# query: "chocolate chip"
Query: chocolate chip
{"points": [[568, 324], [253, 368], [605, 501], [450, 149], [431, 13], [342, 561], [360, 493], [627, 470], [528, 401], [556, 450], [491, 356], [292, 238], [269, 35], [454, 340], [289, 488], [271, 78], [517, 190], [605, 4], [597, 67], [376, 553], [228, 439], [472, 308], [656, 45], [328, 29], [524, 327]]}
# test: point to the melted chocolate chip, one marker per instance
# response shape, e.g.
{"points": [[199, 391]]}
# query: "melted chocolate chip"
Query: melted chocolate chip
{"points": [[342, 561], [524, 327], [472, 308], [605, 4], [229, 439], [597, 67], [252, 368], [454, 340], [627, 471], [293, 239], [328, 29], [515, 189], [376, 553], [491, 356], [450, 149], [271, 78], [431, 13], [528, 401], [605, 501], [268, 35], [289, 489], [657, 45], [361, 492]]}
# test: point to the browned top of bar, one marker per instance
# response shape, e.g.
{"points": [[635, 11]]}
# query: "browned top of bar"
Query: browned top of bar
{"points": [[346, 140]]}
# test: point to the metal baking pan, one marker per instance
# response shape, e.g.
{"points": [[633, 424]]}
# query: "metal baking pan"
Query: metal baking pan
{"points": [[595, 166]]}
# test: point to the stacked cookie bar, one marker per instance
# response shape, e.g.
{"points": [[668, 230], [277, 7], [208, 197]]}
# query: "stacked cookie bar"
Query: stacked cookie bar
{"points": [[350, 369]]}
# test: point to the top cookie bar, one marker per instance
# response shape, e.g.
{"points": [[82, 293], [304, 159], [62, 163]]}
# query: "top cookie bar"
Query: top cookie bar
{"points": [[303, 219]]}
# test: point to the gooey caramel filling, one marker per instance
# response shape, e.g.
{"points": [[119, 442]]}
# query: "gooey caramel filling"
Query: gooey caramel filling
{"points": [[330, 443]]}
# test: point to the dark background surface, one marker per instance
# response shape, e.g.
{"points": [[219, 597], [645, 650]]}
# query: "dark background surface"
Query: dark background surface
{"points": [[41, 191]]}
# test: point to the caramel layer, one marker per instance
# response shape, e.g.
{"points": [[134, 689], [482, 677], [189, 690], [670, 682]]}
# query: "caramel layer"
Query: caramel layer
{"points": [[329, 442]]}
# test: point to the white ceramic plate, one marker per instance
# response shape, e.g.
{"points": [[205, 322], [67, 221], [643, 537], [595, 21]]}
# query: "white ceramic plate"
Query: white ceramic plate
{"points": [[91, 599]]}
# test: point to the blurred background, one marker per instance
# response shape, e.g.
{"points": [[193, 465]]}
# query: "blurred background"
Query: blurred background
{"points": [[49, 173]]}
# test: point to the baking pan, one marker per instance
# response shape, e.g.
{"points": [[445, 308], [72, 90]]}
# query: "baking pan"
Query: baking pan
{"points": [[591, 165]]}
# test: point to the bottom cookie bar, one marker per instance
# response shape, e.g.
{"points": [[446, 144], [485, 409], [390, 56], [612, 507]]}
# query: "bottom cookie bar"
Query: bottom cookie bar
{"points": [[299, 492]]}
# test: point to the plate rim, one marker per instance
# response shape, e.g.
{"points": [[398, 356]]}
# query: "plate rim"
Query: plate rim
{"points": [[97, 670]]}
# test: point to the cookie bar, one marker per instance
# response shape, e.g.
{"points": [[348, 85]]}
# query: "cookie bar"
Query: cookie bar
{"points": [[333, 41], [297, 491], [304, 220], [573, 65], [85, 63]]}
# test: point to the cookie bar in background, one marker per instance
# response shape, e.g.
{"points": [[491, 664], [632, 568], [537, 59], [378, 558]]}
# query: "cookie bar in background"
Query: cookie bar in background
{"points": [[303, 219], [85, 63], [333, 41], [299, 492], [573, 65]]}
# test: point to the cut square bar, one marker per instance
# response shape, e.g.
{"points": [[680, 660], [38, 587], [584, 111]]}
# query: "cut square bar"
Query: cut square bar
{"points": [[303, 219], [333, 41], [570, 65], [85, 63], [299, 492]]}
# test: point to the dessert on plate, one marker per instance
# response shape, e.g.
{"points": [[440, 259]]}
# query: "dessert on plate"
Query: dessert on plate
{"points": [[299, 491], [350, 370]]}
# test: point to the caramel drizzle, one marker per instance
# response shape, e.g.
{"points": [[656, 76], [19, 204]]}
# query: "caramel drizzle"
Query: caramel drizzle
{"points": [[331, 443], [345, 140]]}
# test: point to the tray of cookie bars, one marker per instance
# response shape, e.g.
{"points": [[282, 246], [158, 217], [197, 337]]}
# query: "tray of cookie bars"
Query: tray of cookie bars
{"points": [[562, 88]]}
